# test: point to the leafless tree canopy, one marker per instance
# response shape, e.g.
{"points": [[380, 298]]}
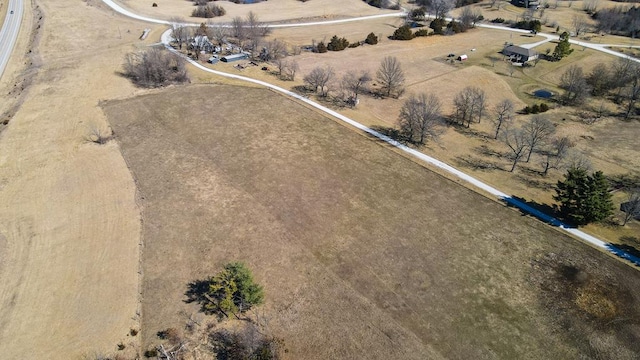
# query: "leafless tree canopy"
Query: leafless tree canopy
{"points": [[516, 141], [319, 78], [421, 118], [632, 208], [273, 50], [575, 85], [504, 114], [537, 131], [391, 76], [440, 8], [468, 17], [179, 32], [580, 25], [155, 67], [470, 105], [354, 84], [554, 154]]}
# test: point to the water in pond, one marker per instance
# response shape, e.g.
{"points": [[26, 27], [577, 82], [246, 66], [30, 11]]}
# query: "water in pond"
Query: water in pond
{"points": [[542, 93]]}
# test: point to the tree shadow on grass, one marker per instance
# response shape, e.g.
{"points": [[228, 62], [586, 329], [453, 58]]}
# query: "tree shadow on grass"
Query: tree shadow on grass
{"points": [[544, 212], [390, 132], [626, 252], [477, 163], [197, 292]]}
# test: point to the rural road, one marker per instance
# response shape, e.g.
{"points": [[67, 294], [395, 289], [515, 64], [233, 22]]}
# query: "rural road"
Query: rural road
{"points": [[9, 31], [509, 200]]}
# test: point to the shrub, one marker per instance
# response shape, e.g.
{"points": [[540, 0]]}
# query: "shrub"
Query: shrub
{"points": [[417, 14], [321, 47], [422, 32], [337, 44], [544, 107], [526, 110], [438, 25], [372, 39], [403, 33], [151, 353], [208, 11], [498, 20], [355, 44], [456, 27], [535, 109]]}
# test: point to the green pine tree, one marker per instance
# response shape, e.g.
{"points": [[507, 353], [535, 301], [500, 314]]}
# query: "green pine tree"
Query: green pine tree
{"points": [[563, 48], [584, 198], [233, 290], [372, 39], [403, 33]]}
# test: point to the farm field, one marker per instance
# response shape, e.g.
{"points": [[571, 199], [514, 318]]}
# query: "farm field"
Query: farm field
{"points": [[362, 252]]}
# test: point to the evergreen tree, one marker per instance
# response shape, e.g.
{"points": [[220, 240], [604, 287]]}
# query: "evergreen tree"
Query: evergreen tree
{"points": [[337, 44], [233, 290], [583, 198], [372, 39], [563, 48], [321, 47], [403, 33]]}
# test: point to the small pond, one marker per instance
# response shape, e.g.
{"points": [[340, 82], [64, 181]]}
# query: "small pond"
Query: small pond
{"points": [[543, 93]]}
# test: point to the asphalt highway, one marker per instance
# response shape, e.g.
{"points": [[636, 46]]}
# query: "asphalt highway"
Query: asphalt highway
{"points": [[9, 31]]}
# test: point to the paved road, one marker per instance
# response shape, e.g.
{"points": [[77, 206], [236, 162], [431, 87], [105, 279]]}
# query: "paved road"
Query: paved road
{"points": [[9, 32], [510, 200]]}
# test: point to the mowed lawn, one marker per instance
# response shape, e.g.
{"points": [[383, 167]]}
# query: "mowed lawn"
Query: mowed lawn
{"points": [[363, 253]]}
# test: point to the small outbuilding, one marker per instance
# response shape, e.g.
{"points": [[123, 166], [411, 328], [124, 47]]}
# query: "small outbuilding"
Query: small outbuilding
{"points": [[462, 57], [519, 54], [234, 57]]}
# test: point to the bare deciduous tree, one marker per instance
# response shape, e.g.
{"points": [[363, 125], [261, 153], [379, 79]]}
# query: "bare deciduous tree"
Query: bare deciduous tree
{"points": [[633, 90], [580, 25], [554, 154], [632, 206], [470, 104], [621, 71], [575, 85], [319, 78], [273, 50], [391, 76], [354, 83], [155, 67], [537, 131], [468, 17], [421, 118], [179, 32], [291, 70], [238, 30], [516, 141], [504, 114], [219, 34], [577, 160], [440, 8]]}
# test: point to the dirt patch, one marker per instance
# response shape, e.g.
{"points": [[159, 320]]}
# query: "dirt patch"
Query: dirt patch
{"points": [[362, 252]]}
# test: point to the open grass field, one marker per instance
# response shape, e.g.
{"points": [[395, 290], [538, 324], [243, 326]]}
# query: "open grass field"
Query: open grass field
{"points": [[269, 11], [362, 252], [69, 221]]}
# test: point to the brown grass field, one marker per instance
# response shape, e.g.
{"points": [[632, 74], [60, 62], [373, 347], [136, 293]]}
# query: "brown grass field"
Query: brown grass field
{"points": [[317, 210], [363, 253]]}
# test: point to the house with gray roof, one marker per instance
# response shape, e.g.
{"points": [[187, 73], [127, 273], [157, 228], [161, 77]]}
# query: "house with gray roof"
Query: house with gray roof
{"points": [[519, 54]]}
